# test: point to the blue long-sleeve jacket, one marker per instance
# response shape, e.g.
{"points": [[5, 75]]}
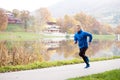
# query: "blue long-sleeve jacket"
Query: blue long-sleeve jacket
{"points": [[81, 38]]}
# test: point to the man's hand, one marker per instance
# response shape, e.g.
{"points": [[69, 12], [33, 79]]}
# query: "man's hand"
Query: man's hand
{"points": [[75, 42], [89, 43]]}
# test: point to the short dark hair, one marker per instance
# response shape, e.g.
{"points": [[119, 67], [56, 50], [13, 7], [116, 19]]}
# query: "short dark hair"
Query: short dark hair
{"points": [[79, 25]]}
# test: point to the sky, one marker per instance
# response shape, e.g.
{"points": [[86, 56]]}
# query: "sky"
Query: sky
{"points": [[30, 5]]}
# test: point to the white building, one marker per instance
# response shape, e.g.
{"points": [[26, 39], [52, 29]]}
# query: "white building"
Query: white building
{"points": [[51, 27]]}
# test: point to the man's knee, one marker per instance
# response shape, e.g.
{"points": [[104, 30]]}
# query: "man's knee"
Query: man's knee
{"points": [[81, 55]]}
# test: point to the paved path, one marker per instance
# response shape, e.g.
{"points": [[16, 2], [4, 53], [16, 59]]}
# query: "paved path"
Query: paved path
{"points": [[62, 72]]}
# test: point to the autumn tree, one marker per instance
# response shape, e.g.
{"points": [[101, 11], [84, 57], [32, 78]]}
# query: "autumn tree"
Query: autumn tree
{"points": [[3, 20], [88, 22], [82, 18], [117, 29], [42, 16], [16, 13], [95, 27], [25, 18], [67, 23], [70, 22], [106, 29], [60, 22]]}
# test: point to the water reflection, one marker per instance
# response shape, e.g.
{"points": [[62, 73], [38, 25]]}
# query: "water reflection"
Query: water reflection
{"points": [[50, 49]]}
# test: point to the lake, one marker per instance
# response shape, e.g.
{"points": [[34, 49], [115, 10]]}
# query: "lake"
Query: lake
{"points": [[52, 49]]}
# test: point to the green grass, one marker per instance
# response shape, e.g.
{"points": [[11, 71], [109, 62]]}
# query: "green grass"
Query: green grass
{"points": [[24, 36], [14, 27], [16, 32], [104, 37], [19, 36], [108, 75], [37, 65]]}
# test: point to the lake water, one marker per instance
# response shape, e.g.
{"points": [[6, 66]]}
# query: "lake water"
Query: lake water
{"points": [[53, 49]]}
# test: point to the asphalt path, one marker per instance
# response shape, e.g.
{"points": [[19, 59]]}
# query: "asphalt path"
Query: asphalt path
{"points": [[62, 72]]}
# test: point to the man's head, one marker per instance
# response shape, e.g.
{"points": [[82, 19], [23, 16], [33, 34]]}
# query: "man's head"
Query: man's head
{"points": [[78, 27]]}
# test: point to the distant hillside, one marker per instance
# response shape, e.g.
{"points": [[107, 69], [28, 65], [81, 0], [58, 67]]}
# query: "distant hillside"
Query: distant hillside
{"points": [[106, 11]]}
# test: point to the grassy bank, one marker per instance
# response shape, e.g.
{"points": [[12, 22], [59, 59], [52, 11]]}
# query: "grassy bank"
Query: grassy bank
{"points": [[19, 36], [104, 37], [16, 36], [16, 32], [15, 27], [37, 65], [108, 75]]}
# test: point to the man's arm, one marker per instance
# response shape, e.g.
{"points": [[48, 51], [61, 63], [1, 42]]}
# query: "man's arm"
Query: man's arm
{"points": [[90, 37], [75, 39]]}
